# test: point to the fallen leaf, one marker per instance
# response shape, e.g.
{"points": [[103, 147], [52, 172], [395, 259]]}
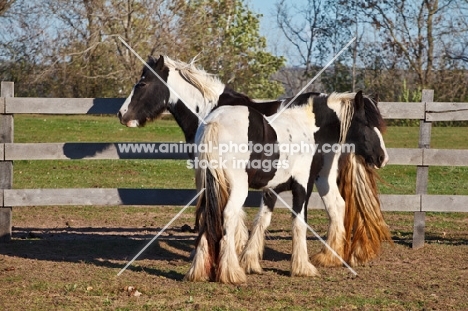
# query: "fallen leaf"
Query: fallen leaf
{"points": [[132, 291]]}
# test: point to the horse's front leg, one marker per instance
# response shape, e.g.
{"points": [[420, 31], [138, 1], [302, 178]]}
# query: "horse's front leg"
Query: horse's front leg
{"points": [[335, 206], [300, 264]]}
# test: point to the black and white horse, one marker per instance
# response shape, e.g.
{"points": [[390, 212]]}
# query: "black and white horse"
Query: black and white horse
{"points": [[226, 173], [190, 94]]}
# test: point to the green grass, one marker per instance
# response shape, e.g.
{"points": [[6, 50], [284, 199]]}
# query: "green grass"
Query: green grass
{"points": [[400, 179], [174, 174], [84, 128], [97, 173]]}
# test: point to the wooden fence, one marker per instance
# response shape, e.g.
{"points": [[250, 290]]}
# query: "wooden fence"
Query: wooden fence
{"points": [[427, 111]]}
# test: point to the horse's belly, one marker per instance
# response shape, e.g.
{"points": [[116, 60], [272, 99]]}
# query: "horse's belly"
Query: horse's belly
{"points": [[292, 166]]}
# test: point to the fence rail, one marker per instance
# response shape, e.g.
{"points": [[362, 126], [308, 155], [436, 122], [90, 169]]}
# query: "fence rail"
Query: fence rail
{"points": [[427, 111]]}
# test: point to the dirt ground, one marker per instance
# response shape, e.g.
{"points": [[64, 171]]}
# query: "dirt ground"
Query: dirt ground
{"points": [[67, 258]]}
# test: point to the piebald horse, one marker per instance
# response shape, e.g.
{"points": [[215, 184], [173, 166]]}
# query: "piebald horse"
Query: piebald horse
{"points": [[190, 94], [226, 174]]}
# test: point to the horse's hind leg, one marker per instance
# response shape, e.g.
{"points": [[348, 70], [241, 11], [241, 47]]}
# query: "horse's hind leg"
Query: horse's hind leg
{"points": [[300, 265], [335, 206], [229, 270], [253, 251], [201, 263]]}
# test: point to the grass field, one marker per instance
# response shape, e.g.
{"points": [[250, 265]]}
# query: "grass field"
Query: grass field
{"points": [[174, 174], [67, 257]]}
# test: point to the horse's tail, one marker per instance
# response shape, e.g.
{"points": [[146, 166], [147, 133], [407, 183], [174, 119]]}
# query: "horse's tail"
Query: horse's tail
{"points": [[210, 206], [364, 224]]}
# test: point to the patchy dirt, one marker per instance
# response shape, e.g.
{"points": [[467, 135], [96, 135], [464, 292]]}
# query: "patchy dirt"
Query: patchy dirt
{"points": [[69, 257]]}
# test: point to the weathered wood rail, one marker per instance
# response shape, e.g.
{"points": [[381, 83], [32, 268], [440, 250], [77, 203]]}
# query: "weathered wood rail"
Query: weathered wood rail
{"points": [[427, 111]]}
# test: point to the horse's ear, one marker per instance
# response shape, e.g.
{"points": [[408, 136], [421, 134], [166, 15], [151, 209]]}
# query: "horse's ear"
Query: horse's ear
{"points": [[359, 100], [376, 98], [160, 63]]}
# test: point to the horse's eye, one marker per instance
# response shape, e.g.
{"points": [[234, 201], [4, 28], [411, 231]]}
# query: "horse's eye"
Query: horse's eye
{"points": [[141, 84]]}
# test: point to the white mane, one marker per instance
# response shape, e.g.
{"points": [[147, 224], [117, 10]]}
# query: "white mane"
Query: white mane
{"points": [[208, 84], [346, 112]]}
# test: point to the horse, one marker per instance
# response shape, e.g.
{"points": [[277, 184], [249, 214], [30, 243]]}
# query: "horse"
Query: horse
{"points": [[336, 119], [190, 94]]}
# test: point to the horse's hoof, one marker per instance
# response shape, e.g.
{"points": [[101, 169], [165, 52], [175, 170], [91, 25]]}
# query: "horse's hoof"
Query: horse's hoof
{"points": [[196, 277], [326, 259], [307, 270], [236, 277], [252, 267], [250, 263]]}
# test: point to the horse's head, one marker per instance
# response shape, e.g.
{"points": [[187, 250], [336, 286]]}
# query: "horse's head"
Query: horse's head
{"points": [[149, 96], [365, 132]]}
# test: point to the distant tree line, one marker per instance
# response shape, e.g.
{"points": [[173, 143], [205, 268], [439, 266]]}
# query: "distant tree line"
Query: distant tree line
{"points": [[61, 48], [401, 48]]}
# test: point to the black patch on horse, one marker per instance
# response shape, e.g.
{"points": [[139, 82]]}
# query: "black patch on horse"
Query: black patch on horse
{"points": [[187, 121], [260, 132], [327, 121], [233, 98]]}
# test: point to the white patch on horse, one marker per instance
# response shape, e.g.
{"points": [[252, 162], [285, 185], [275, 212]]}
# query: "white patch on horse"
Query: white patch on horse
{"points": [[382, 145], [300, 134], [133, 123], [123, 110]]}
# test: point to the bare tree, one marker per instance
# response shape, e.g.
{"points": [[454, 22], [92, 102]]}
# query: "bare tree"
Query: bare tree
{"points": [[5, 5], [303, 26], [315, 32], [424, 38]]}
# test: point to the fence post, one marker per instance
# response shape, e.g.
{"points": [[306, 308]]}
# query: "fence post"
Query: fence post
{"points": [[6, 167], [422, 172]]}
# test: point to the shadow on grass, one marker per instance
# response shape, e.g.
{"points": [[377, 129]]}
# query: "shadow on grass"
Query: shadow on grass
{"points": [[108, 247], [405, 238], [278, 271], [113, 247]]}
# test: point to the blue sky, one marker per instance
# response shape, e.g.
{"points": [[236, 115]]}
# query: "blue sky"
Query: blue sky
{"points": [[268, 26], [276, 42]]}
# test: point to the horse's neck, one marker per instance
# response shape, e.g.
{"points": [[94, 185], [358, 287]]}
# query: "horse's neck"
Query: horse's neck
{"points": [[198, 101], [233, 98], [186, 119], [187, 104]]}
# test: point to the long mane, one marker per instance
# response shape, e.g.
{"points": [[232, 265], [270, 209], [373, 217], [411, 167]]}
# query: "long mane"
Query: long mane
{"points": [[346, 111], [208, 84]]}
